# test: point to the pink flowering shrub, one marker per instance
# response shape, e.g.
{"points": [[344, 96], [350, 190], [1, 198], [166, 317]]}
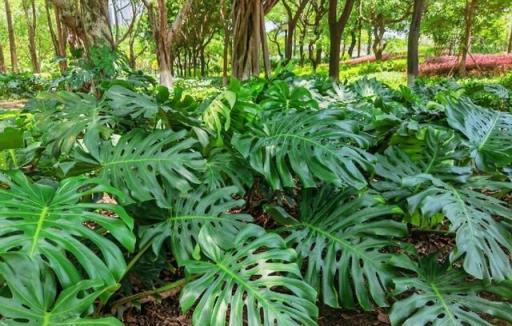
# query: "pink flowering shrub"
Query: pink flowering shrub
{"points": [[479, 62]]}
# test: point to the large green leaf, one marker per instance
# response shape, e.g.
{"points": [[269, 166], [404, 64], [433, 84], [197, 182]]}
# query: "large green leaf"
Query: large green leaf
{"points": [[488, 132], [144, 165], [481, 222], [125, 102], [281, 96], [225, 168], [405, 166], [340, 238], [68, 116], [33, 298], [189, 214], [47, 223], [443, 296], [255, 282], [432, 184], [314, 146]]}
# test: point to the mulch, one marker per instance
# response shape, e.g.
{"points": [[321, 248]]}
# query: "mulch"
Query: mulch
{"points": [[12, 105]]}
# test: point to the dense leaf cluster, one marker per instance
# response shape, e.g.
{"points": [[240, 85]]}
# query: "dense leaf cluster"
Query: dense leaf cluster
{"points": [[345, 172]]}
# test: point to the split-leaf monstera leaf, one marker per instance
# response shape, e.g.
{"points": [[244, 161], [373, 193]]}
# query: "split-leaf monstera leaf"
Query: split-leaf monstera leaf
{"points": [[33, 299], [47, 223], [442, 296], [488, 132], [189, 214], [254, 282], [312, 146], [341, 238], [145, 166]]}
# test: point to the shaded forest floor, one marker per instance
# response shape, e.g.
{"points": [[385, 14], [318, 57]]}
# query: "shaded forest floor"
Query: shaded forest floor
{"points": [[166, 312]]}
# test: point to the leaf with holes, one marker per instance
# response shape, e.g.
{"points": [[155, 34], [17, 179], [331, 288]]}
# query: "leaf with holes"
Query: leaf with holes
{"points": [[144, 165], [488, 132], [47, 223], [254, 282], [443, 296], [33, 299], [340, 238], [189, 214], [313, 146]]}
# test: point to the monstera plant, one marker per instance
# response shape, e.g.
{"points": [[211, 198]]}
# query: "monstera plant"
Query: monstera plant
{"points": [[258, 205]]}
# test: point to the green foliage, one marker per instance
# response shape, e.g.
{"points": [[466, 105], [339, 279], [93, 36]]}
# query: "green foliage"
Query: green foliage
{"points": [[340, 239], [144, 165], [243, 276], [345, 171], [45, 221], [189, 215], [34, 301], [314, 146], [488, 133], [442, 296]]}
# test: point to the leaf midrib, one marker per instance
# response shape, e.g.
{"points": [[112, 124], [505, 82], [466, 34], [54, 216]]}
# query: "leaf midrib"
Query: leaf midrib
{"points": [[344, 243], [489, 132], [39, 227], [144, 160], [246, 285], [440, 296], [327, 149]]}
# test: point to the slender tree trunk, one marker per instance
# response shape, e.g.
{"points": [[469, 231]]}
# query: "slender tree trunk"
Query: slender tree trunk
{"points": [[29, 8], [509, 49], [378, 33], [369, 44], [359, 28], [164, 36], [61, 38], [336, 28], [293, 19], [225, 52], [58, 47], [2, 60], [413, 40], [353, 42], [318, 56], [12, 40], [466, 41]]}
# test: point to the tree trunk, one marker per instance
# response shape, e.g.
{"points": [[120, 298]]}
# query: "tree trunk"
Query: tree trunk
{"points": [[61, 38], [509, 49], [369, 44], [353, 42], [58, 41], [466, 41], [164, 35], [12, 40], [336, 28], [378, 34], [293, 19], [87, 23], [29, 9], [225, 53], [247, 38], [359, 28], [2, 60], [318, 56], [412, 43]]}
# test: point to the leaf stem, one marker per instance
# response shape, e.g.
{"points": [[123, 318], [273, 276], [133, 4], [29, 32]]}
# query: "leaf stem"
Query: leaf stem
{"points": [[169, 286], [441, 232], [136, 258]]}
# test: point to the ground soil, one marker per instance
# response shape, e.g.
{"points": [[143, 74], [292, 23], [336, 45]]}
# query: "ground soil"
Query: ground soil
{"points": [[9, 105]]}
